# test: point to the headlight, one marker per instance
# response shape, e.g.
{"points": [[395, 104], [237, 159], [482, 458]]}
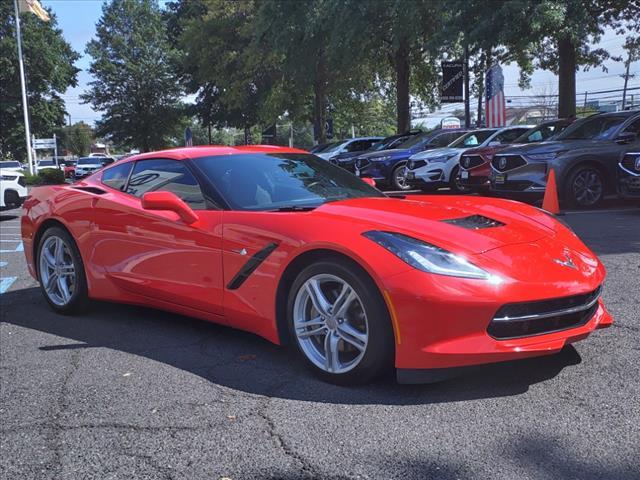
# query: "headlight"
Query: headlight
{"points": [[544, 156], [380, 159], [427, 257], [9, 178], [441, 158]]}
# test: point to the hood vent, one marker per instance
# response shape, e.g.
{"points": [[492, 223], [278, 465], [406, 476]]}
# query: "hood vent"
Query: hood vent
{"points": [[474, 222]]}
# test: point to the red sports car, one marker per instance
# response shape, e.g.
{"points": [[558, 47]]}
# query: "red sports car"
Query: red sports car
{"points": [[281, 243]]}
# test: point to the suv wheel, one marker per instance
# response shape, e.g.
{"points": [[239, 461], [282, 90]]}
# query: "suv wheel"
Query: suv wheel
{"points": [[585, 187], [399, 178]]}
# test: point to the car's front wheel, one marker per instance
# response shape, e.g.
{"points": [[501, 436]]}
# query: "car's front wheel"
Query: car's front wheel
{"points": [[585, 187], [61, 271], [340, 323], [454, 182], [399, 178]]}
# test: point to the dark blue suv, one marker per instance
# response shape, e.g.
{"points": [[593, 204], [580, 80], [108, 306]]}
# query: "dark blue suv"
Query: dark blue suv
{"points": [[387, 167]]}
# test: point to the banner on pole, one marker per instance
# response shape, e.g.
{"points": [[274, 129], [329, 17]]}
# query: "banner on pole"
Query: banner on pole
{"points": [[494, 101], [33, 6], [452, 81]]}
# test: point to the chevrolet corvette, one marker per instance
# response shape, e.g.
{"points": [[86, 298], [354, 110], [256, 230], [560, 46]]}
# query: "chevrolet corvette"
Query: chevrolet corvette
{"points": [[283, 244]]}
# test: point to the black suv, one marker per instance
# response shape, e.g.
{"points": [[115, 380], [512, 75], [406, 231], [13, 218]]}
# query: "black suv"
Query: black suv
{"points": [[584, 157]]}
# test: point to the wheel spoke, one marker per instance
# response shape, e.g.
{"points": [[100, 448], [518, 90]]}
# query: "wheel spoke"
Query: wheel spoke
{"points": [[318, 298], [313, 322], [49, 258], [59, 251], [332, 361], [67, 270], [343, 302], [313, 332], [352, 336], [63, 288], [51, 281]]}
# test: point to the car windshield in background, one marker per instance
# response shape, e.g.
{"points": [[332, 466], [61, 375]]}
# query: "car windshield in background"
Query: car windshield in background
{"points": [[90, 161], [46, 163], [541, 133], [69, 163], [331, 148], [413, 141], [9, 164], [596, 128], [280, 181], [472, 139]]}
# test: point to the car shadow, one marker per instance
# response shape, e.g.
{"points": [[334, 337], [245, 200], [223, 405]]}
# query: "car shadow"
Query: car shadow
{"points": [[6, 218], [245, 362]]}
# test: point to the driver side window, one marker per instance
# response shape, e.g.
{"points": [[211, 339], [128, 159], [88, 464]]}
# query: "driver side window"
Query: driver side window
{"points": [[634, 127], [168, 176]]}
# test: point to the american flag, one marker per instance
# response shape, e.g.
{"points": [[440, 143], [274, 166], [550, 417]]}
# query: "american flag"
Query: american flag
{"points": [[494, 104]]}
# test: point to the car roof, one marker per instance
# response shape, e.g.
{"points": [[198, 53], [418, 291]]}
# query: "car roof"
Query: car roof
{"points": [[185, 153]]}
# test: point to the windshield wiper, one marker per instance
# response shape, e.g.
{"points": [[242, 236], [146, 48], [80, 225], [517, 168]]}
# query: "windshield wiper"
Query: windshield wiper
{"points": [[293, 208]]}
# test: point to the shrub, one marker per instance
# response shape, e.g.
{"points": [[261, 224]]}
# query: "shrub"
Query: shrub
{"points": [[48, 176]]}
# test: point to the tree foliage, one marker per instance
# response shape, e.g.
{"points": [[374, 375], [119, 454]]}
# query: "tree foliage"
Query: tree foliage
{"points": [[49, 63], [135, 81], [77, 138]]}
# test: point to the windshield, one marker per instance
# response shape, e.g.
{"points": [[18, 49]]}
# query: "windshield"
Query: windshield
{"points": [[332, 148], [472, 139], [270, 181], [46, 163], [69, 163], [9, 164], [593, 128], [415, 140], [90, 161], [541, 133]]}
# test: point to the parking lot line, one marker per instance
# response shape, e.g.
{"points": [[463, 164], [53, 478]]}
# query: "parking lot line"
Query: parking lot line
{"points": [[19, 248]]}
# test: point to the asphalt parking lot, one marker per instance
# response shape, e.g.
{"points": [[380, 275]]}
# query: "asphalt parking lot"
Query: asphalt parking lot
{"points": [[126, 392]]}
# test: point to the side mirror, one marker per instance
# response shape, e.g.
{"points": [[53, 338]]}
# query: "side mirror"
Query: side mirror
{"points": [[626, 137], [169, 201], [369, 181]]}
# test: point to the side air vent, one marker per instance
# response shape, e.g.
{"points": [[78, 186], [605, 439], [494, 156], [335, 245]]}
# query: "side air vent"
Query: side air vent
{"points": [[96, 190], [474, 222]]}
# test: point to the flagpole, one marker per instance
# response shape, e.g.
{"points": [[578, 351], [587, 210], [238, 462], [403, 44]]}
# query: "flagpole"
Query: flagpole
{"points": [[25, 107]]}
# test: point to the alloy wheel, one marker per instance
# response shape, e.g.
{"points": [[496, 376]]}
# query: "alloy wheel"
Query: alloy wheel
{"points": [[57, 271], [587, 187], [330, 323], [400, 178]]}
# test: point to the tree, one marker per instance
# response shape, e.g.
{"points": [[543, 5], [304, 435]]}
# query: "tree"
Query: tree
{"points": [[135, 82], [49, 63], [77, 138]]}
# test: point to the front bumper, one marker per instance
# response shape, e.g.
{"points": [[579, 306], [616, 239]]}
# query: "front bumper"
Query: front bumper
{"points": [[628, 183], [530, 178], [442, 323]]}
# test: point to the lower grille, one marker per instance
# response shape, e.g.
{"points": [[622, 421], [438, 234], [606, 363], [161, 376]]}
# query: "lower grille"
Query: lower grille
{"points": [[502, 163], [545, 316], [471, 161], [512, 186]]}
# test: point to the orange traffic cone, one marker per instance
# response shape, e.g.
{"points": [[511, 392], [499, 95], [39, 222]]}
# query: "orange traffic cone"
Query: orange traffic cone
{"points": [[550, 201]]}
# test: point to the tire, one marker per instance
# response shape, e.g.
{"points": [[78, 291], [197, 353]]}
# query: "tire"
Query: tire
{"points": [[584, 187], [362, 340], [73, 297], [454, 185], [398, 179]]}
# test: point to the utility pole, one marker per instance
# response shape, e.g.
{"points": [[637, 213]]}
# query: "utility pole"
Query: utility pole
{"points": [[23, 85], [467, 110], [626, 77]]}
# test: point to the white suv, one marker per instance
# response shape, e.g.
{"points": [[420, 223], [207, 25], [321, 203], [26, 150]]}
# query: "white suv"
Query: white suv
{"points": [[13, 189], [439, 167]]}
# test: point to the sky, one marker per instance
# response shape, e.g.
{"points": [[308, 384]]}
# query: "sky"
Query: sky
{"points": [[77, 19]]}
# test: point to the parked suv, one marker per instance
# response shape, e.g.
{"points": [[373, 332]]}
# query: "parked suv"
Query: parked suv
{"points": [[13, 188], [88, 165], [351, 145], [584, 157], [629, 175], [347, 160], [387, 167], [474, 163], [439, 168]]}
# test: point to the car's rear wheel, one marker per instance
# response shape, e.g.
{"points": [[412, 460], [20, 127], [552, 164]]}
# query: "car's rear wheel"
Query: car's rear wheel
{"points": [[340, 323], [399, 178], [61, 272], [585, 187]]}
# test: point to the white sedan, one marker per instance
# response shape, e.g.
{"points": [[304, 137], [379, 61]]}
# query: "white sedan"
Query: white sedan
{"points": [[437, 168], [13, 188]]}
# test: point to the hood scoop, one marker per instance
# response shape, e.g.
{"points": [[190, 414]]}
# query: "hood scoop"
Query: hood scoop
{"points": [[474, 222]]}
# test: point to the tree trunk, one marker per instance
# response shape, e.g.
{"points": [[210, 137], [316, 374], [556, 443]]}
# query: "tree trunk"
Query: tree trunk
{"points": [[485, 60], [403, 70], [320, 100], [566, 78]]}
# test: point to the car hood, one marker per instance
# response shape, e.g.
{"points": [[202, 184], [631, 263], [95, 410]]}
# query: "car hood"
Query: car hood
{"points": [[437, 152], [13, 171], [429, 219], [553, 146]]}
